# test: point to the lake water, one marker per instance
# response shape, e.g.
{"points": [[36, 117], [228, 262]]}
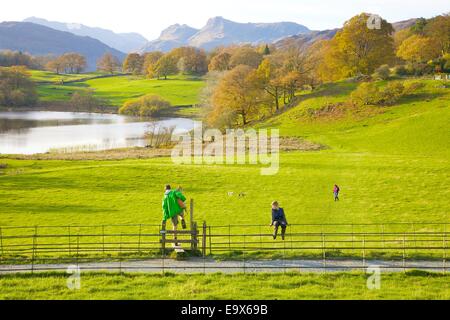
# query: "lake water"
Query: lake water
{"points": [[42, 131]]}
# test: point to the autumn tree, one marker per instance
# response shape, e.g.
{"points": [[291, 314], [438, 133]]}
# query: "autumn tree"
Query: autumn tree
{"points": [[108, 63], [150, 60], [239, 95], [358, 49], [16, 87], [246, 56], [166, 65], [190, 60], [73, 62], [55, 65], [438, 28], [10, 58], [133, 63], [418, 49], [220, 62], [269, 72]]}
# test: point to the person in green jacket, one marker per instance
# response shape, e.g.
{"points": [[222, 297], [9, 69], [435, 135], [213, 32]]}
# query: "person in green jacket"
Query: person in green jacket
{"points": [[173, 206]]}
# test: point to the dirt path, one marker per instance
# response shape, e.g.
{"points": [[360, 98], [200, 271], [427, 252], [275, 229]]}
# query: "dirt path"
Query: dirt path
{"points": [[200, 265]]}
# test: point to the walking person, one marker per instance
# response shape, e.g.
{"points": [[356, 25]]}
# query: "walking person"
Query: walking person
{"points": [[336, 190], [278, 220], [173, 207]]}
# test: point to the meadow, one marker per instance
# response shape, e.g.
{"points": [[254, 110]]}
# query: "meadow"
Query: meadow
{"points": [[392, 166], [296, 286], [391, 163], [178, 90]]}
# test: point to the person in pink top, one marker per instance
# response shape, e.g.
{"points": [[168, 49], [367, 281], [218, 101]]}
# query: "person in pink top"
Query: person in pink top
{"points": [[336, 192]]}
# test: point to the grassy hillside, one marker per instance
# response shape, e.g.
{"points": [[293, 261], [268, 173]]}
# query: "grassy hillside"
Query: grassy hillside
{"points": [[411, 285], [417, 125], [180, 90]]}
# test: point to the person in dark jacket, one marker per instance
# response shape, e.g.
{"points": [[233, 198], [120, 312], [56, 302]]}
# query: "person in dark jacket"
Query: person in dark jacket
{"points": [[336, 190], [278, 219]]}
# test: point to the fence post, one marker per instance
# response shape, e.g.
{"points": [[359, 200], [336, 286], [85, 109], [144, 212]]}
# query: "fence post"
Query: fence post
{"points": [[364, 251], [139, 240], [444, 266], [70, 246], [353, 239], [120, 252], [324, 254], [103, 237], [163, 245], [1, 241], [33, 252], [194, 238], [229, 239], [163, 236], [210, 241], [204, 239], [243, 251], [78, 247], [404, 253], [191, 213]]}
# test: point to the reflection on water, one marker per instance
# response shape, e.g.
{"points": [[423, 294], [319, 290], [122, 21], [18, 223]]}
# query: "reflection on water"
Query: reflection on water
{"points": [[42, 131]]}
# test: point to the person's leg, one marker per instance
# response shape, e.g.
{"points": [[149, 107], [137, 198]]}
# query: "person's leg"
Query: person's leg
{"points": [[175, 227], [283, 230], [183, 222], [275, 229]]}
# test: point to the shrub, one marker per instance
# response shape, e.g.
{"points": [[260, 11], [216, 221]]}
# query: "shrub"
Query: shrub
{"points": [[145, 106], [366, 94], [369, 94], [400, 71], [413, 87], [16, 87], [85, 101], [391, 93], [382, 73], [130, 108], [158, 136]]}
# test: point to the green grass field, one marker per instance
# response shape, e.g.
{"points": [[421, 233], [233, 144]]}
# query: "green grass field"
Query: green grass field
{"points": [[179, 90], [46, 76], [392, 167], [290, 286]]}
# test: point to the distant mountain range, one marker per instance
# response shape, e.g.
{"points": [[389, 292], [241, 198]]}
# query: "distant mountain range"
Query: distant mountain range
{"points": [[310, 38], [221, 32], [40, 40], [125, 42], [41, 37]]}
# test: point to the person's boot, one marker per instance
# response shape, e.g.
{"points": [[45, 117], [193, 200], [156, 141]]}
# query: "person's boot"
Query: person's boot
{"points": [[183, 223]]}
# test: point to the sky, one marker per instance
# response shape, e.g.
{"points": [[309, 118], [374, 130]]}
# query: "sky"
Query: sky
{"points": [[150, 17]]}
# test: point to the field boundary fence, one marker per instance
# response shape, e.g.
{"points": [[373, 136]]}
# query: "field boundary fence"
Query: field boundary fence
{"points": [[395, 244]]}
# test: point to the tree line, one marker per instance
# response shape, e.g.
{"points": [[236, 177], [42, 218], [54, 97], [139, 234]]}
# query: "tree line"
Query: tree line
{"points": [[250, 83]]}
